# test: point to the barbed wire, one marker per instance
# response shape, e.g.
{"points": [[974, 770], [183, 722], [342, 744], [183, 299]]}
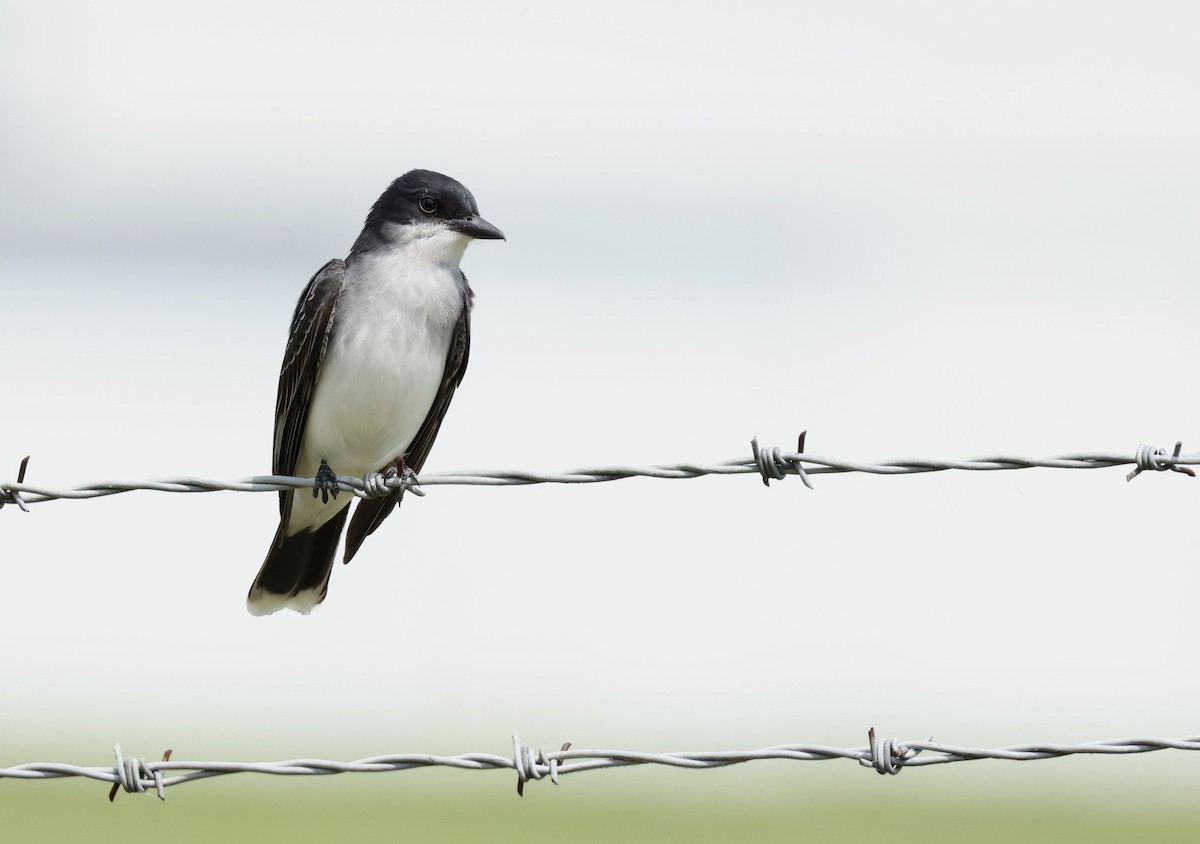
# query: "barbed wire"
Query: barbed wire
{"points": [[771, 463], [886, 756]]}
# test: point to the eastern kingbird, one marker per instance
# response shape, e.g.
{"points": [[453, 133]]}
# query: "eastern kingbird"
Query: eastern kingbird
{"points": [[377, 347]]}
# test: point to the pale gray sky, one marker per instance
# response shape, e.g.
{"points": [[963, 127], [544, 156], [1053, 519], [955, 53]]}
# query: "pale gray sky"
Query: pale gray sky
{"points": [[923, 229]]}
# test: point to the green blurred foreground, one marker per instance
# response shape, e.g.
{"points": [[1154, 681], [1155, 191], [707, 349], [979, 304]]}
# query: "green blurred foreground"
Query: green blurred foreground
{"points": [[458, 807]]}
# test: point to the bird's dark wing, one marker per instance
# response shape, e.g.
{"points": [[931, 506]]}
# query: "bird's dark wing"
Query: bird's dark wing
{"points": [[456, 367], [306, 346], [370, 513]]}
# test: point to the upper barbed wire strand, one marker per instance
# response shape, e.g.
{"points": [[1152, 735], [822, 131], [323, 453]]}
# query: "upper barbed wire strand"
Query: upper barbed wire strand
{"points": [[768, 463]]}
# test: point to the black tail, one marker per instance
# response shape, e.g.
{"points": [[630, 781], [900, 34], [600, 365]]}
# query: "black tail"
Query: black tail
{"points": [[295, 574]]}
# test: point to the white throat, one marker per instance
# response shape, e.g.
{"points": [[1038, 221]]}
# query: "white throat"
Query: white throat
{"points": [[426, 243]]}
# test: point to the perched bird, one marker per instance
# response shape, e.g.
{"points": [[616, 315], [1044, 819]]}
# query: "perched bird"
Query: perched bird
{"points": [[377, 347]]}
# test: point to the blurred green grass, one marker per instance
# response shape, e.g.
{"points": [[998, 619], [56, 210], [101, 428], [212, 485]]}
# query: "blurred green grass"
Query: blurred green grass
{"points": [[647, 806]]}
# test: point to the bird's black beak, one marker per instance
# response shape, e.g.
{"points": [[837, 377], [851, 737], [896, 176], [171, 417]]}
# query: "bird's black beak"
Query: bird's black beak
{"points": [[476, 227]]}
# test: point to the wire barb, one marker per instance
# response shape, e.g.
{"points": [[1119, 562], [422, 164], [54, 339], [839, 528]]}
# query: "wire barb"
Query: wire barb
{"points": [[12, 496], [377, 484], [530, 765], [381, 484], [135, 775], [887, 756], [1150, 458], [774, 465]]}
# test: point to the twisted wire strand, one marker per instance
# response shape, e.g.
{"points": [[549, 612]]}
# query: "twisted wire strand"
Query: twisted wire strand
{"points": [[769, 463], [886, 756]]}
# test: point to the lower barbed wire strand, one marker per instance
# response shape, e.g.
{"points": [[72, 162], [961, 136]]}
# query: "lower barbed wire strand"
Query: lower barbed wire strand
{"points": [[135, 774]]}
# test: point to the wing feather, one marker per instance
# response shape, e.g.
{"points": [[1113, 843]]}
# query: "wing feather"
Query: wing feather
{"points": [[307, 342]]}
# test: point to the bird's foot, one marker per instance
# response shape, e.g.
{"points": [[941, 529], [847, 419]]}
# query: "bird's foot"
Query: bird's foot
{"points": [[325, 483], [409, 483]]}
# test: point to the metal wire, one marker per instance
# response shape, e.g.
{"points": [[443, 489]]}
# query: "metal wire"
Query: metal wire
{"points": [[886, 756], [770, 463]]}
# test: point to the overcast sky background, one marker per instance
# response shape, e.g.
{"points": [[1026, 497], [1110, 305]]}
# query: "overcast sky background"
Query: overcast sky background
{"points": [[924, 229]]}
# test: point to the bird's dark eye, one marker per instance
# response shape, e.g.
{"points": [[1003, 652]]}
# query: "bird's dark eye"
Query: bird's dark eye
{"points": [[428, 204]]}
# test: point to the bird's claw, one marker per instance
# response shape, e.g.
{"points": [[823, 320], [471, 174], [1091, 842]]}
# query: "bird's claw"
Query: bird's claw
{"points": [[409, 483], [325, 483]]}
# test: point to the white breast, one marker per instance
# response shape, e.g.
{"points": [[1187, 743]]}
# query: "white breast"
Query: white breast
{"points": [[395, 317]]}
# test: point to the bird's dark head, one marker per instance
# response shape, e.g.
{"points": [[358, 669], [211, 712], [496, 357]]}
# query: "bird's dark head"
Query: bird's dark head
{"points": [[430, 202]]}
